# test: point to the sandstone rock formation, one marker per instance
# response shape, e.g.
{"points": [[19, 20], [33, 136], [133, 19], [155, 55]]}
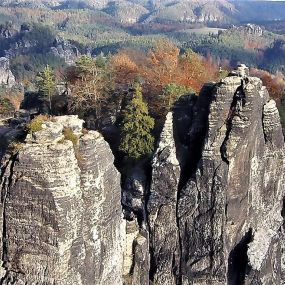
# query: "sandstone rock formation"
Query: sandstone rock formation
{"points": [[228, 212], [162, 207], [61, 219], [251, 29], [6, 76], [65, 50], [7, 31], [208, 210]]}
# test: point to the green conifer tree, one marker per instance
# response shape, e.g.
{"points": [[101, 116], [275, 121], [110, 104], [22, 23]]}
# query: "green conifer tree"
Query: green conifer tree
{"points": [[46, 83], [86, 65], [137, 125], [171, 93]]}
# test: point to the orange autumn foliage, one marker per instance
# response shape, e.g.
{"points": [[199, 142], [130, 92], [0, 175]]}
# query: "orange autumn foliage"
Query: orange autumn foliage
{"points": [[15, 98], [161, 66], [124, 68], [275, 83], [195, 71]]}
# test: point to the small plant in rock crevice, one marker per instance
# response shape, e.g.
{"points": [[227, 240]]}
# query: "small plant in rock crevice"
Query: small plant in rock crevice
{"points": [[36, 124], [70, 136], [14, 147]]}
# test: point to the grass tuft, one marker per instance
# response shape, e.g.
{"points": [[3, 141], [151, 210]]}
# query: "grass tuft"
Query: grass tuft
{"points": [[69, 135], [36, 124]]}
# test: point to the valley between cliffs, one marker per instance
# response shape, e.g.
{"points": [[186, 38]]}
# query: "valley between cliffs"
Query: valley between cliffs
{"points": [[208, 210]]}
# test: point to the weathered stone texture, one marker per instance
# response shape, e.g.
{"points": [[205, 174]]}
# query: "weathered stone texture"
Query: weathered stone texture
{"points": [[136, 251], [62, 220], [228, 210], [212, 213], [6, 76], [162, 206]]}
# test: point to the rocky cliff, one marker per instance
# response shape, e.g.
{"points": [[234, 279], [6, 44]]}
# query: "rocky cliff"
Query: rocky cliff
{"points": [[223, 223], [208, 210], [61, 220], [65, 50]]}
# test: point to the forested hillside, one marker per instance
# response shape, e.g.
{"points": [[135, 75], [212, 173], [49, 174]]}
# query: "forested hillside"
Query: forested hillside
{"points": [[129, 43], [130, 11], [64, 34]]}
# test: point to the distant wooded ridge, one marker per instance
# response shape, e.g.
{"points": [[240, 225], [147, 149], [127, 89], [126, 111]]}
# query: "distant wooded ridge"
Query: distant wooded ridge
{"points": [[161, 11]]}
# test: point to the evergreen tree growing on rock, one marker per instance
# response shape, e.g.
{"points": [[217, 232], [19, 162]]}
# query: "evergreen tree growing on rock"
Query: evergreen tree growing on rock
{"points": [[46, 84], [137, 140]]}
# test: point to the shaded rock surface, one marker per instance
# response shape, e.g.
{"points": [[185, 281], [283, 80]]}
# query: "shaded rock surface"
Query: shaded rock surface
{"points": [[228, 211], [61, 219], [136, 252]]}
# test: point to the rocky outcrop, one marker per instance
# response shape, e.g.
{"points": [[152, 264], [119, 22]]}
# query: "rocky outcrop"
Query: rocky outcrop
{"points": [[162, 207], [228, 211], [61, 220], [251, 29], [209, 211], [7, 30], [126, 11], [6, 76], [65, 50]]}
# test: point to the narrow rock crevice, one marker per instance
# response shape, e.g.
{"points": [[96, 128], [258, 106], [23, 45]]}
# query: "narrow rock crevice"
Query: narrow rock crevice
{"points": [[236, 106], [212, 210], [283, 210], [194, 143], [263, 127], [197, 134], [238, 265], [6, 182]]}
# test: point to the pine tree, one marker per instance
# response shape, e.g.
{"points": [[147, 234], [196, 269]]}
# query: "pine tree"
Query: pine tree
{"points": [[46, 83], [86, 66], [171, 92], [137, 125]]}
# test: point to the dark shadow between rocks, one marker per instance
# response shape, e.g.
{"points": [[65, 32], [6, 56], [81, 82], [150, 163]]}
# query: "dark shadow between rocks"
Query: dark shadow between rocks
{"points": [[238, 265]]}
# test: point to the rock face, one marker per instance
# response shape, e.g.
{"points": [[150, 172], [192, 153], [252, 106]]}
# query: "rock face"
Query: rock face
{"points": [[136, 251], [7, 31], [61, 219], [162, 206], [251, 29], [6, 76], [65, 50], [209, 211], [228, 212]]}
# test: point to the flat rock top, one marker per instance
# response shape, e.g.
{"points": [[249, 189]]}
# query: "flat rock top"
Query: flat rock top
{"points": [[52, 130]]}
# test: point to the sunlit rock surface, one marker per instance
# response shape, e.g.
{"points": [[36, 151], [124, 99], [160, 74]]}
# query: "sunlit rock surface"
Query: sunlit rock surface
{"points": [[61, 210], [6, 76]]}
